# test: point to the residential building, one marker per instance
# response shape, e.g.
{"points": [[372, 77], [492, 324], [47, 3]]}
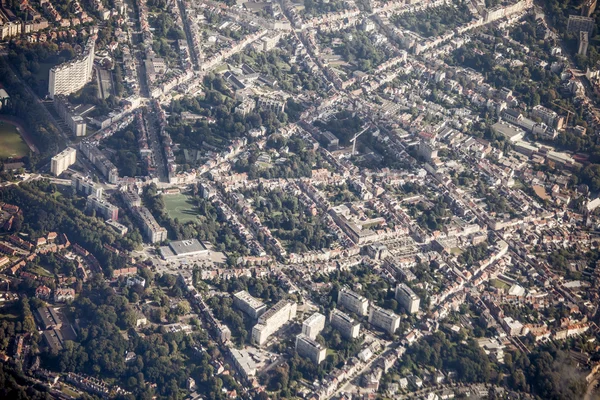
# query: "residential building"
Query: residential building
{"points": [[108, 169], [548, 116], [64, 294], [578, 23], [353, 302], [83, 184], [250, 305], [407, 298], [69, 114], [73, 75], [272, 320], [150, 228], [243, 363], [63, 160], [104, 208], [384, 319], [346, 325], [313, 325], [583, 43], [311, 349]]}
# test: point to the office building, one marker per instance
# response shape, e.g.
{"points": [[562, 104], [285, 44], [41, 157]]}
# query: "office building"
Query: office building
{"points": [[353, 302], [103, 207], [313, 325], [153, 232], [86, 186], [577, 24], [309, 348], [73, 75], [272, 320], [250, 305], [384, 319], [407, 298], [62, 161], [583, 43], [346, 325]]}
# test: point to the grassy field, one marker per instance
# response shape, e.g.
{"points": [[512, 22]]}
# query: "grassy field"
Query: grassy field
{"points": [[11, 143], [180, 206]]}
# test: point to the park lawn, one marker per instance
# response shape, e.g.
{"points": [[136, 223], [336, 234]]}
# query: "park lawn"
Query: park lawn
{"points": [[180, 206], [11, 143]]}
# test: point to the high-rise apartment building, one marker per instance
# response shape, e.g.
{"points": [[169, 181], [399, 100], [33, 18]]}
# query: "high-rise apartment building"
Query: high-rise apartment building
{"points": [[272, 320], [71, 76], [250, 305], [103, 207], [86, 186], [346, 325], [310, 349], [353, 302], [150, 228], [63, 160], [384, 319], [407, 298], [577, 24], [313, 325]]}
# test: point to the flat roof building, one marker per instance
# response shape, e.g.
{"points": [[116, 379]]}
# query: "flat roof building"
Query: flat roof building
{"points": [[313, 325], [63, 160], [183, 248], [346, 325], [309, 348], [407, 298], [103, 207], [272, 320], [384, 319], [83, 184], [353, 302], [249, 304], [152, 230]]}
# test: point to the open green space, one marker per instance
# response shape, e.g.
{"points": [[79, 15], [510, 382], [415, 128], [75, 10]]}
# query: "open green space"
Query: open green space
{"points": [[11, 143], [181, 207]]}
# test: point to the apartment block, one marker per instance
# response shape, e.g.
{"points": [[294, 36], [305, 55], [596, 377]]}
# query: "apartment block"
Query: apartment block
{"points": [[62, 161], [131, 198], [73, 75], [346, 325], [309, 348], [272, 320], [384, 319], [103, 207], [86, 186], [353, 302], [313, 325], [108, 169], [249, 304], [548, 116], [578, 23], [70, 115], [407, 298], [150, 228]]}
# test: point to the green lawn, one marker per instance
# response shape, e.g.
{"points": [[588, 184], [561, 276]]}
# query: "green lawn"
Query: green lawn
{"points": [[11, 143], [180, 206]]}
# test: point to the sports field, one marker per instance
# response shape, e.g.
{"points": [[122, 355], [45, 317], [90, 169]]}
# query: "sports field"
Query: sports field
{"points": [[11, 143], [180, 206]]}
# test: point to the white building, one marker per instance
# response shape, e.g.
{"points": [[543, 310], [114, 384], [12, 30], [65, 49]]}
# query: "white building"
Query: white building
{"points": [[250, 305], [309, 348], [272, 320], [313, 325], [62, 161], [384, 319], [407, 298], [353, 302], [71, 76], [346, 325]]}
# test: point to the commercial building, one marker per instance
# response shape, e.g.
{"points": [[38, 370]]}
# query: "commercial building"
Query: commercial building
{"points": [[73, 75], [150, 228], [103, 207], [183, 248], [577, 24], [313, 325], [353, 302], [272, 320], [62, 161], [346, 325], [86, 186], [384, 319], [250, 305], [407, 298], [309, 348]]}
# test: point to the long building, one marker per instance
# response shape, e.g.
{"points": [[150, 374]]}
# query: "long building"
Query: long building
{"points": [[250, 305], [83, 184], [103, 207], [309, 348], [108, 169], [353, 302], [407, 298], [73, 75], [69, 114], [384, 319], [63, 160], [313, 325], [150, 228], [346, 325], [272, 320]]}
